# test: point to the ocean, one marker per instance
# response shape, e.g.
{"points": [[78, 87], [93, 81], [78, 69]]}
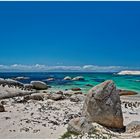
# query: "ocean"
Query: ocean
{"points": [[130, 82]]}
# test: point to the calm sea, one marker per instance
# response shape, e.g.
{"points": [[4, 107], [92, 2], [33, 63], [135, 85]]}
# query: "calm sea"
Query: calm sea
{"points": [[131, 82]]}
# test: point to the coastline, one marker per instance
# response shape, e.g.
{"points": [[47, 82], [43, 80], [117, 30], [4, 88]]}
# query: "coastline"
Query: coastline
{"points": [[48, 118]]}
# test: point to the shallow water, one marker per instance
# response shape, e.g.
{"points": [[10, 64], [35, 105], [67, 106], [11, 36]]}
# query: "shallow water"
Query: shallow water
{"points": [[131, 82]]}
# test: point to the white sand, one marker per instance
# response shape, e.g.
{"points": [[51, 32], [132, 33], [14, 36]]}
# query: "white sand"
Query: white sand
{"points": [[48, 119]]}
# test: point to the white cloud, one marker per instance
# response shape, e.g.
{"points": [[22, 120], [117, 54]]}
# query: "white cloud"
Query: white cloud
{"points": [[103, 68], [38, 67]]}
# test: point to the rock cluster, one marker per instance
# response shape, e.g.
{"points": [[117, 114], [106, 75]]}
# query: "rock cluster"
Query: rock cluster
{"points": [[103, 106]]}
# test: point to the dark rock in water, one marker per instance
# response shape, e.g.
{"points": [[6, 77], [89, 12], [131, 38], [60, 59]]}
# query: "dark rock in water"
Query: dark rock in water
{"points": [[78, 78], [2, 109], [67, 78], [75, 89], [50, 79], [48, 86], [126, 92], [21, 78], [98, 80], [103, 105], [133, 127], [89, 85]]}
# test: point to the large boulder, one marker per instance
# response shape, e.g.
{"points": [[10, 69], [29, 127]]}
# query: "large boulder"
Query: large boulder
{"points": [[103, 105], [39, 85]]}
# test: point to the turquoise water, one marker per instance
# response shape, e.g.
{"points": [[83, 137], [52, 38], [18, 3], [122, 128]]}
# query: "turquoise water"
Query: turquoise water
{"points": [[123, 82], [131, 82]]}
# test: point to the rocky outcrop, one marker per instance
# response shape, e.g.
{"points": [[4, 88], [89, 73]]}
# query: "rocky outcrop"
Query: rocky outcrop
{"points": [[10, 82], [78, 78], [103, 105], [39, 85]]}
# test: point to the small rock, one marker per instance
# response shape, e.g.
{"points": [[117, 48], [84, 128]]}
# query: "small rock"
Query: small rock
{"points": [[78, 78], [75, 89], [89, 85], [80, 125], [77, 98], [24, 129], [28, 86], [59, 92], [133, 127], [2, 109], [7, 118], [50, 79], [78, 92], [55, 97], [67, 78]]}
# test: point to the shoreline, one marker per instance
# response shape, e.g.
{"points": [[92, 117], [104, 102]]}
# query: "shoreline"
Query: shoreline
{"points": [[46, 113]]}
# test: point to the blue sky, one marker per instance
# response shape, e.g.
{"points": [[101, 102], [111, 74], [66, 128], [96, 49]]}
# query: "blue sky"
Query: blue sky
{"points": [[70, 35]]}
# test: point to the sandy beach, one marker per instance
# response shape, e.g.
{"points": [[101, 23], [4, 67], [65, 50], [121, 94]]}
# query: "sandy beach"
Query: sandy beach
{"points": [[48, 118]]}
